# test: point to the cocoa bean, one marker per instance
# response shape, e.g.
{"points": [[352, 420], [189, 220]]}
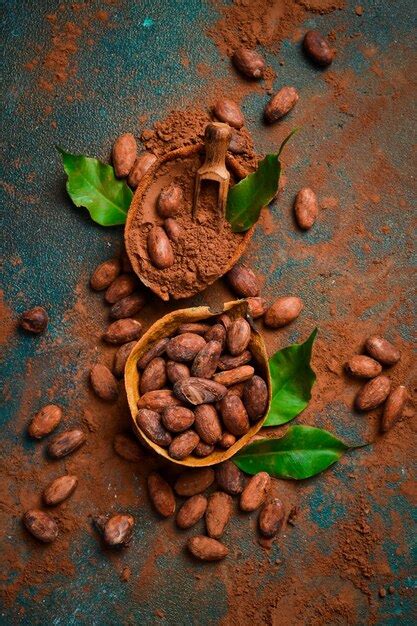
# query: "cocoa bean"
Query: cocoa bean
{"points": [[205, 362], [207, 549], [158, 400], [123, 331], [177, 371], [229, 478], [225, 320], [238, 336], [118, 530], [237, 144], [191, 512], [182, 445], [281, 104], [393, 408], [234, 415], [227, 362], [35, 320], [218, 513], [227, 441], [150, 423], [216, 333], [199, 390], [156, 350], [154, 376], [159, 248], [194, 481], [184, 347], [59, 490], [271, 518], [127, 307], [141, 165], [105, 274], [255, 398], [40, 525], [121, 357], [243, 281], [382, 350], [235, 376], [124, 154], [373, 393], [255, 492], [123, 286], [256, 307], [207, 424], [66, 442], [177, 418], [249, 62], [170, 201], [128, 448], [104, 383], [197, 328], [317, 48], [161, 495], [173, 229], [45, 421], [236, 390], [126, 264], [306, 208], [203, 449], [284, 311], [363, 366], [228, 112]]}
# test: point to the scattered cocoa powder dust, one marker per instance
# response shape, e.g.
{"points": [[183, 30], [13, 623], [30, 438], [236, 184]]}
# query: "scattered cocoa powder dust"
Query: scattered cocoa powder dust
{"points": [[58, 63], [7, 321]]}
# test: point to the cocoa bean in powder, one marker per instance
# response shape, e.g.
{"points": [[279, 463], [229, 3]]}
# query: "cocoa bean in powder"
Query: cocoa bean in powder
{"points": [[393, 408], [59, 490], [207, 424], [40, 525], [184, 347], [281, 104], [123, 331], [45, 421], [382, 350], [66, 442], [150, 423], [159, 248], [154, 376], [306, 208], [124, 154], [238, 336], [104, 383], [249, 62], [373, 393], [170, 201], [105, 274], [243, 281], [228, 112], [255, 492], [177, 418], [34, 321], [191, 512], [284, 311], [363, 366], [271, 518], [317, 48], [194, 481], [199, 390], [206, 548], [161, 495], [182, 445], [173, 229], [141, 165], [218, 513]]}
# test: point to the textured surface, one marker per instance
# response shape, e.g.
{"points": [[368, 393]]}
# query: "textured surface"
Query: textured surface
{"points": [[353, 270]]}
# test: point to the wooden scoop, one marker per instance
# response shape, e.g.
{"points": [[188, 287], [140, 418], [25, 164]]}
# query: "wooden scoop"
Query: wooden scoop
{"points": [[216, 137]]}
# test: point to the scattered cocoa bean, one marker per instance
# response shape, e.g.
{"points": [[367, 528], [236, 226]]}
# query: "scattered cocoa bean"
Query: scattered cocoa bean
{"points": [[104, 383], [228, 112], [281, 104], [177, 371], [363, 366], [227, 441], [255, 492], [173, 229], [256, 307], [203, 449], [237, 144], [393, 408], [121, 357], [206, 548], [170, 201], [177, 418], [284, 311], [199, 390], [382, 350], [184, 347], [229, 478], [118, 530], [271, 518], [154, 376], [234, 415], [238, 336], [150, 423], [161, 495], [59, 490], [45, 421], [123, 286], [191, 512], [218, 513], [66, 442], [194, 481], [235, 376], [182, 445], [306, 208], [227, 362], [40, 525], [216, 333], [105, 274], [255, 398], [158, 400], [123, 331], [128, 448], [373, 393], [35, 320], [317, 48], [207, 424], [157, 350], [243, 281], [197, 328], [124, 154], [159, 248], [249, 62], [141, 165], [206, 360], [127, 307]]}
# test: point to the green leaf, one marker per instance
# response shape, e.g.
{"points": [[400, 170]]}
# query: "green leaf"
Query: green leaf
{"points": [[304, 451], [292, 380], [93, 185], [246, 199]]}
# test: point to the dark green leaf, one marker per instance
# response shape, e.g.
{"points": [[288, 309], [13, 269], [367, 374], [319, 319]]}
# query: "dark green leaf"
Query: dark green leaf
{"points": [[303, 452], [93, 185], [246, 199], [292, 379]]}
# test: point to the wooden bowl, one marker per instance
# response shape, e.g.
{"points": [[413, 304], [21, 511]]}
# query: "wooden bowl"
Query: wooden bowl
{"points": [[165, 327], [133, 247]]}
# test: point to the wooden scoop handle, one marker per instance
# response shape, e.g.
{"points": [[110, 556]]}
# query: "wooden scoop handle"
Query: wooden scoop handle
{"points": [[217, 137]]}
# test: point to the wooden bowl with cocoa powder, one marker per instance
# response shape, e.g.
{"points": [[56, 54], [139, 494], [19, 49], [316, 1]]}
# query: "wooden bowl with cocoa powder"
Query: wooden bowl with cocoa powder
{"points": [[167, 327]]}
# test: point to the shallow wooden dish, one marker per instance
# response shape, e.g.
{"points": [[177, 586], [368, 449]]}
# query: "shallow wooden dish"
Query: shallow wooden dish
{"points": [[165, 327], [188, 151]]}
